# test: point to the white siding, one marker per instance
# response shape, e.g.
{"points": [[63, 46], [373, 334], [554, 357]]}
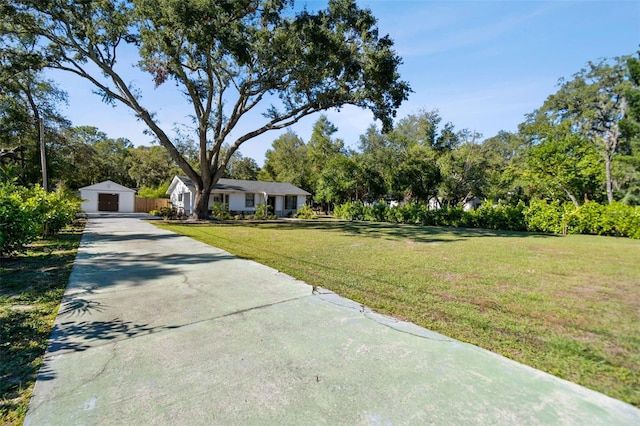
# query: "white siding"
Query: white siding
{"points": [[302, 200], [236, 202], [89, 201], [89, 195], [127, 202], [186, 203]]}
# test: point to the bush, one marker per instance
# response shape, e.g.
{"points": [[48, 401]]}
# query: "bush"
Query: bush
{"points": [[16, 227], [376, 213], [168, 213], [539, 216], [220, 211], [306, 212], [55, 210], [26, 214], [350, 211], [626, 218], [264, 211], [614, 219], [499, 216]]}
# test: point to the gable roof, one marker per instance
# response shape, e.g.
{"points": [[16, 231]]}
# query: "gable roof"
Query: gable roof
{"points": [[248, 186], [107, 185]]}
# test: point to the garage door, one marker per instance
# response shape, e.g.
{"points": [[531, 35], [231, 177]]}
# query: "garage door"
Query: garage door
{"points": [[108, 202]]}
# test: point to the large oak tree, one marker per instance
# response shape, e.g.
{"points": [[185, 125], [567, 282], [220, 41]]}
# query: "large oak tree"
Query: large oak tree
{"points": [[592, 105], [228, 57]]}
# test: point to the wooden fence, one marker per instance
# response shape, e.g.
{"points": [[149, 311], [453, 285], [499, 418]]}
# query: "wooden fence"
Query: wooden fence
{"points": [[145, 205]]}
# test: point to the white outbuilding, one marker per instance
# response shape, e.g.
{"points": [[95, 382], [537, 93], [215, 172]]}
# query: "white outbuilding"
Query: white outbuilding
{"points": [[107, 196]]}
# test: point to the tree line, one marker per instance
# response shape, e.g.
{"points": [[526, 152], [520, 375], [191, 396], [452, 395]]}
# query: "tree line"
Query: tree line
{"points": [[231, 58], [581, 145]]}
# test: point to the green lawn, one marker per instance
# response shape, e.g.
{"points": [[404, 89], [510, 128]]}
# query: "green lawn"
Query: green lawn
{"points": [[566, 305], [31, 288]]}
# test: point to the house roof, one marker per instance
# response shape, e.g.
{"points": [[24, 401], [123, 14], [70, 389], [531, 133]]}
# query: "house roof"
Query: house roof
{"points": [[107, 185], [249, 186]]}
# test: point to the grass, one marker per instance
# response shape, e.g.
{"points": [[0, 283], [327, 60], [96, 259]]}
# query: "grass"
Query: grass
{"points": [[31, 287], [566, 305]]}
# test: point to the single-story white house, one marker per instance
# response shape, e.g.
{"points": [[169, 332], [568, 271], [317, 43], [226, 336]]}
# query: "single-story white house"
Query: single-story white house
{"points": [[240, 196], [107, 196]]}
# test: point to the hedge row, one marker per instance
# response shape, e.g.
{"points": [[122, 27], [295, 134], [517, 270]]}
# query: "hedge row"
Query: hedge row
{"points": [[539, 216], [29, 213]]}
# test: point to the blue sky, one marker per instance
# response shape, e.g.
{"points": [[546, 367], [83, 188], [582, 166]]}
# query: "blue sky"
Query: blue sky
{"points": [[483, 64]]}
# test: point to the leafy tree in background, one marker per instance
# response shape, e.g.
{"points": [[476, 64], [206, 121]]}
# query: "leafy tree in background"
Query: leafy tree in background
{"points": [[626, 175], [227, 58], [464, 172], [240, 167], [568, 167], [85, 155], [592, 104], [321, 150], [418, 176], [378, 156], [151, 166], [630, 125], [337, 181], [505, 160], [28, 111], [370, 182], [286, 161]]}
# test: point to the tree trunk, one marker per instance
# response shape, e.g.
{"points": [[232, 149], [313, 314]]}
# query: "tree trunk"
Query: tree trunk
{"points": [[43, 155], [201, 204], [573, 199], [609, 182]]}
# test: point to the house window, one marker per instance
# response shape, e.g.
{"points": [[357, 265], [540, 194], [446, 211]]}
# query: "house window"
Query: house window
{"points": [[180, 197], [290, 202], [249, 200]]}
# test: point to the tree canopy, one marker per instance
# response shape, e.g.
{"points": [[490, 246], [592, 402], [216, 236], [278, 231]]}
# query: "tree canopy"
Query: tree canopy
{"points": [[592, 104], [227, 58]]}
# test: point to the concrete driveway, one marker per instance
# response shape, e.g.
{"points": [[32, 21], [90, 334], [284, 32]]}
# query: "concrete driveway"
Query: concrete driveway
{"points": [[159, 329]]}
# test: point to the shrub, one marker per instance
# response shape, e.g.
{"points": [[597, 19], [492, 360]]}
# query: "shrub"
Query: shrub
{"points": [[26, 214], [55, 210], [306, 212], [16, 227], [376, 212], [350, 211], [264, 211], [541, 216], [590, 218], [220, 211], [627, 219], [614, 219], [168, 213], [497, 216]]}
